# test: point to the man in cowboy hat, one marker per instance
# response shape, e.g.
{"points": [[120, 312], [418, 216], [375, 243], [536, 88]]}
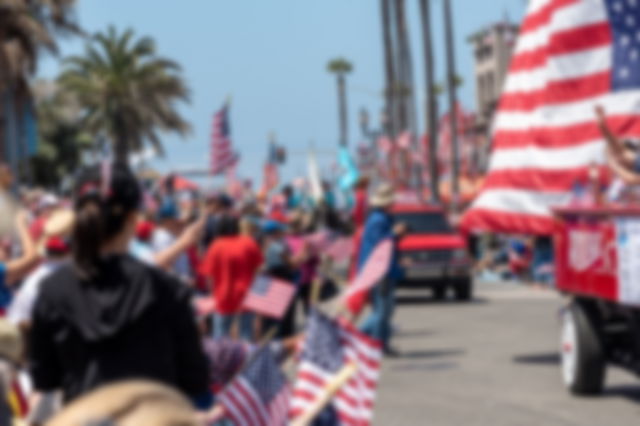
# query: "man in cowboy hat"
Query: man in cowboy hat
{"points": [[380, 226]]}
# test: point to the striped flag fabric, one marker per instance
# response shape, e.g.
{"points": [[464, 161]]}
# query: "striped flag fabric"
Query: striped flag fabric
{"points": [[269, 297], [330, 345], [259, 395], [570, 56], [223, 157], [271, 176], [373, 271]]}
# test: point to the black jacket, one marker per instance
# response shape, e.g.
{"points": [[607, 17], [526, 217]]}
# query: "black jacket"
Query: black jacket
{"points": [[133, 321]]}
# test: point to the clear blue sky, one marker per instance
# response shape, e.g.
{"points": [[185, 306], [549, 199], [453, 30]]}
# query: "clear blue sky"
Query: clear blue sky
{"points": [[271, 56]]}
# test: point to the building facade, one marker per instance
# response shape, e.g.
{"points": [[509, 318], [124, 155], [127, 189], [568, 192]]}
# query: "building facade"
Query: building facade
{"points": [[492, 48]]}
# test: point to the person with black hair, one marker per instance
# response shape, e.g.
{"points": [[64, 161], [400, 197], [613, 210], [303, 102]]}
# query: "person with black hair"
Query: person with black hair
{"points": [[217, 204], [106, 316]]}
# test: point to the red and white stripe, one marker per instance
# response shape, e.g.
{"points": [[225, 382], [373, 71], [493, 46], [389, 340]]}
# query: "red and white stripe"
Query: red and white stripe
{"points": [[275, 302], [545, 130], [371, 274], [355, 401], [271, 177], [245, 407]]}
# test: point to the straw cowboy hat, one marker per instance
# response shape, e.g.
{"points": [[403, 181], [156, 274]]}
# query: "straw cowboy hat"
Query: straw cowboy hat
{"points": [[384, 196], [129, 403]]}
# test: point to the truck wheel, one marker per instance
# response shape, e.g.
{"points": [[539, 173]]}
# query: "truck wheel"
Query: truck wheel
{"points": [[583, 361], [440, 292], [464, 290]]}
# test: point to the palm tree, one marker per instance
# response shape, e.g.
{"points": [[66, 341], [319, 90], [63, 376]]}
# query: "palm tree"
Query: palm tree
{"points": [[408, 110], [27, 27], [453, 82], [390, 81], [127, 93], [431, 99], [341, 67]]}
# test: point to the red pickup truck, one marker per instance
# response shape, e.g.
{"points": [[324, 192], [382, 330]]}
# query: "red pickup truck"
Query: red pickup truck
{"points": [[432, 253]]}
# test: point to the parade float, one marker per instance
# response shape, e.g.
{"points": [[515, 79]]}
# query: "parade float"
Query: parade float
{"points": [[573, 61], [598, 269]]}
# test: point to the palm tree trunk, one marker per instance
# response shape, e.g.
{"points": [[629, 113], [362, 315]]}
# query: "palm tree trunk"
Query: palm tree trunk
{"points": [[431, 118], [451, 85], [413, 172], [401, 88], [342, 107], [390, 81], [3, 126], [120, 142]]}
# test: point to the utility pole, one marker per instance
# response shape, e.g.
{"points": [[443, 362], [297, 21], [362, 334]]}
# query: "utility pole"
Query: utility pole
{"points": [[451, 86], [431, 118]]}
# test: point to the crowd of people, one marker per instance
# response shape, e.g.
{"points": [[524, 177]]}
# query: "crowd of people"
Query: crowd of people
{"points": [[121, 280], [142, 286]]}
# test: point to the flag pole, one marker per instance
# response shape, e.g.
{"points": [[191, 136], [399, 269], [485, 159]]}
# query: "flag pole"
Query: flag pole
{"points": [[332, 388]]}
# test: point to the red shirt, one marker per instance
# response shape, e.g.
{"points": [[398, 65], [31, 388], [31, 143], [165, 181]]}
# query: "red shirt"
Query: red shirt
{"points": [[231, 263]]}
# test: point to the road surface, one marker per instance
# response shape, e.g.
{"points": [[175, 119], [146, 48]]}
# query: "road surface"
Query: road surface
{"points": [[492, 362]]}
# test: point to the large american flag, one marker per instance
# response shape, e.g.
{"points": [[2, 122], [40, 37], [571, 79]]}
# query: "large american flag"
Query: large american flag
{"points": [[269, 297], [260, 394], [223, 157], [570, 56], [330, 345]]}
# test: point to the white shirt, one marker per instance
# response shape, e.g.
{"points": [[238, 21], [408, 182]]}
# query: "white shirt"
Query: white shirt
{"points": [[162, 240], [21, 308]]}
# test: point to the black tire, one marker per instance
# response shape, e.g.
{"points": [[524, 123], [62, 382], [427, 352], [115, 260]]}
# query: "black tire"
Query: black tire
{"points": [[464, 290], [586, 375], [440, 292]]}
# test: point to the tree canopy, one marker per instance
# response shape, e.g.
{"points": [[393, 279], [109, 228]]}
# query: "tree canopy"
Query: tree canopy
{"points": [[127, 93]]}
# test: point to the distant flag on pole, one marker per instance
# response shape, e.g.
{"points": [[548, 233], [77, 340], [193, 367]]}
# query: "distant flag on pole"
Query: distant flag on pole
{"points": [[350, 169], [330, 345], [315, 180], [269, 297], [223, 157], [271, 176], [570, 56]]}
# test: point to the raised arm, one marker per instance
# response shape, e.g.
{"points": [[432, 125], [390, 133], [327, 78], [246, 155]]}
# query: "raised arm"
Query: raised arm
{"points": [[614, 143], [190, 236], [629, 177], [17, 268]]}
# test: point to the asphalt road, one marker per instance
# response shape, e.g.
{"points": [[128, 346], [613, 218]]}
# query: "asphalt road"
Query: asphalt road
{"points": [[490, 362]]}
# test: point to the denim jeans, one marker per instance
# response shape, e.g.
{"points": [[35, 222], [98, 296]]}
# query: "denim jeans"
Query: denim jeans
{"points": [[378, 323], [222, 325]]}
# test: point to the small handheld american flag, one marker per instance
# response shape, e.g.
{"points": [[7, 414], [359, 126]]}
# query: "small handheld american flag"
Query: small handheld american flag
{"points": [[260, 394], [330, 345], [373, 271], [269, 297]]}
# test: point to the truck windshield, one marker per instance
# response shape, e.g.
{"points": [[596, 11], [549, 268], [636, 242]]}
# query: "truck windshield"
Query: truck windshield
{"points": [[425, 222]]}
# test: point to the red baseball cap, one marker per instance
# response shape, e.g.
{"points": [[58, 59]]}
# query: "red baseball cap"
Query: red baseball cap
{"points": [[144, 230]]}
